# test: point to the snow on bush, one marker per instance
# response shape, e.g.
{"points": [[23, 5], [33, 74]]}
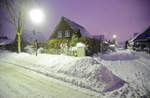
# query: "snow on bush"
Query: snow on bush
{"points": [[73, 49], [29, 49], [40, 50], [80, 45]]}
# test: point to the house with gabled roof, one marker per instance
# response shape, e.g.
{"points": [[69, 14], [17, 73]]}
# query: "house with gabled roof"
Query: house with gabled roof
{"points": [[141, 41], [65, 32], [66, 28]]}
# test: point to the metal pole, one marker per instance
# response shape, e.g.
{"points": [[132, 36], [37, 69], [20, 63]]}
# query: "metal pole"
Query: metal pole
{"points": [[36, 43]]}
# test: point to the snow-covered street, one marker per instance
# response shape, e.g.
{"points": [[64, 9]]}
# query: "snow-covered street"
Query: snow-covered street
{"points": [[16, 82], [119, 74]]}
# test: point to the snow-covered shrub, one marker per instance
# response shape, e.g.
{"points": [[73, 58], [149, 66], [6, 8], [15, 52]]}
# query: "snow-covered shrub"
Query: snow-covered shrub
{"points": [[57, 43], [73, 48], [40, 50], [54, 46], [92, 45], [105, 46], [64, 47], [29, 49], [44, 45], [80, 45], [66, 44], [52, 51], [112, 47], [73, 51]]}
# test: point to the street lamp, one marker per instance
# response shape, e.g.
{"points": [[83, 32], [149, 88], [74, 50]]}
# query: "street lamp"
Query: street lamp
{"points": [[114, 38], [37, 16]]}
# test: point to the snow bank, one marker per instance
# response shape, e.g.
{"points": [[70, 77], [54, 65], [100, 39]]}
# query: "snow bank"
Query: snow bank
{"points": [[112, 75], [131, 66], [85, 72], [80, 45]]}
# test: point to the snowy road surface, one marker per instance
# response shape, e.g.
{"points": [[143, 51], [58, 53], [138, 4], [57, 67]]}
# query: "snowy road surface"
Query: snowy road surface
{"points": [[16, 82]]}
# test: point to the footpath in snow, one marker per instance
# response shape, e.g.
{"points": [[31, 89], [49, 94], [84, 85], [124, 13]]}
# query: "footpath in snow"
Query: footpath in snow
{"points": [[112, 75]]}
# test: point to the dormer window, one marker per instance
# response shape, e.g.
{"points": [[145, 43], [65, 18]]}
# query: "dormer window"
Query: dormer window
{"points": [[67, 33], [59, 34]]}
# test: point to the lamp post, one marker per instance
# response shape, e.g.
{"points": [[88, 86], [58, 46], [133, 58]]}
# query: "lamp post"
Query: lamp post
{"points": [[114, 38], [37, 17]]}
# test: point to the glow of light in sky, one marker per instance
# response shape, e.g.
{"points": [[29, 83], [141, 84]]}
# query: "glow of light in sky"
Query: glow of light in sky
{"points": [[37, 15]]}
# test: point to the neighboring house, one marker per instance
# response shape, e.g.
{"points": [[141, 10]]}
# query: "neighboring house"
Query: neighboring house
{"points": [[66, 28], [4, 41], [135, 34], [141, 41]]}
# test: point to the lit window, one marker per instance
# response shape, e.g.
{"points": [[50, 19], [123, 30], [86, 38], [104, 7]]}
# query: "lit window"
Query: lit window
{"points": [[67, 33], [59, 34]]}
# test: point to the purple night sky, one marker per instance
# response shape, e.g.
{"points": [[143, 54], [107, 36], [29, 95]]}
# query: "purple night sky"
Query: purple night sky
{"points": [[108, 17]]}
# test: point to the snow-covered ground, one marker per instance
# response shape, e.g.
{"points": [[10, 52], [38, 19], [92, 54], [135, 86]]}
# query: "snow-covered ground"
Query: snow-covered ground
{"points": [[119, 74], [132, 67]]}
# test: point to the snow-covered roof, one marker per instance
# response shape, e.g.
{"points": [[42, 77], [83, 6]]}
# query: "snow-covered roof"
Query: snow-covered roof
{"points": [[132, 39], [5, 41], [77, 27], [138, 35]]}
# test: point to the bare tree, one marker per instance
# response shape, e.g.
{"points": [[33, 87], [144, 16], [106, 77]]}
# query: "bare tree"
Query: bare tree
{"points": [[16, 10]]}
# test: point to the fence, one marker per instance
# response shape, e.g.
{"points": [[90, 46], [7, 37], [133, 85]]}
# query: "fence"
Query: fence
{"points": [[59, 51]]}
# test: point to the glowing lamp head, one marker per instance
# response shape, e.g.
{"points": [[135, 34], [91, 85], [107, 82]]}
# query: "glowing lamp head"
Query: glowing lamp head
{"points": [[36, 15], [114, 36]]}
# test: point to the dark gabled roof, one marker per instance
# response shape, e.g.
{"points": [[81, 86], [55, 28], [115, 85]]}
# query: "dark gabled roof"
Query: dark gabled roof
{"points": [[75, 27]]}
